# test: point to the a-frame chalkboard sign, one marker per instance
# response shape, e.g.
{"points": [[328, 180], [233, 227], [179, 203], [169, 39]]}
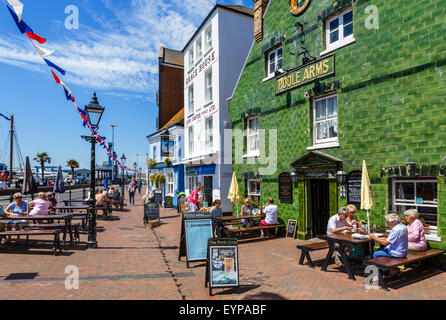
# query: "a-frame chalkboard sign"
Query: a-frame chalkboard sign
{"points": [[222, 269], [196, 229]]}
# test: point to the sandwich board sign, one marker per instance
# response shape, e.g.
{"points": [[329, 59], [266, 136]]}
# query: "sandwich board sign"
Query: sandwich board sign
{"points": [[196, 229], [151, 212], [222, 269]]}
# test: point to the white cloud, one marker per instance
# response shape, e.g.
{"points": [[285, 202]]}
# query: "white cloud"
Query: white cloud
{"points": [[122, 54]]}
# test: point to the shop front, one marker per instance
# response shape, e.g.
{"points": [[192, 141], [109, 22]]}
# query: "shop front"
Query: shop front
{"points": [[204, 175]]}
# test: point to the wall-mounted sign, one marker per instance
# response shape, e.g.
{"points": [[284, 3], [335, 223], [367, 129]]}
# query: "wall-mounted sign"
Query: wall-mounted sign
{"points": [[168, 202], [298, 6], [167, 147], [354, 187], [285, 188], [305, 74], [191, 171], [207, 61], [198, 116]]}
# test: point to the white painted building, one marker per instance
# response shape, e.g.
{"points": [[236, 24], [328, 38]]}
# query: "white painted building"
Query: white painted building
{"points": [[213, 61]]}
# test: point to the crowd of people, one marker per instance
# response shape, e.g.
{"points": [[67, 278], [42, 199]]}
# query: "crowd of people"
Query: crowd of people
{"points": [[398, 242]]}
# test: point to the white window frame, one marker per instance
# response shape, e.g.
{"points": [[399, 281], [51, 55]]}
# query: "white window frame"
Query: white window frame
{"points": [[209, 134], [208, 40], [190, 136], [342, 41], [199, 47], [433, 236], [249, 134], [193, 181], [191, 58], [154, 153], [170, 182], [328, 141], [255, 193], [208, 87], [190, 99], [276, 60]]}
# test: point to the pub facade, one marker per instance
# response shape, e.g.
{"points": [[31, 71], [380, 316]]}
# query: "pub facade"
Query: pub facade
{"points": [[332, 83]]}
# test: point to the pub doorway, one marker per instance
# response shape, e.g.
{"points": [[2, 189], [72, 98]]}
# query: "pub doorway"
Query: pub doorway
{"points": [[319, 203]]}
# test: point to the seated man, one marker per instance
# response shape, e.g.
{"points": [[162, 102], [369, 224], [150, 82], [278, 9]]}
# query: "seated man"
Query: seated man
{"points": [[271, 215], [397, 243], [116, 197], [338, 224], [101, 199]]}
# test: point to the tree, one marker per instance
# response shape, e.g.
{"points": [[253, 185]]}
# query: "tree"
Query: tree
{"points": [[73, 164], [43, 158]]}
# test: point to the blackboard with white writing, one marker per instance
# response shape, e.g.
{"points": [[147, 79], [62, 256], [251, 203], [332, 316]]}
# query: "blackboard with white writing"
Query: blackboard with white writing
{"points": [[354, 187], [151, 212], [291, 229]]}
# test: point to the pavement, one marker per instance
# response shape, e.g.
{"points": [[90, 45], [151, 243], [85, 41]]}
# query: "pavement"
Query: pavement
{"points": [[138, 263]]}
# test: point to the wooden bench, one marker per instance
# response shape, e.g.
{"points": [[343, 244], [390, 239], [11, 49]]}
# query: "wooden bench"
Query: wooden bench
{"points": [[385, 263], [107, 209], [27, 233], [118, 204], [74, 227], [239, 231], [306, 248]]}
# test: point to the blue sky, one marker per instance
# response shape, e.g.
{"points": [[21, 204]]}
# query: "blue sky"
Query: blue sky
{"points": [[114, 52]]}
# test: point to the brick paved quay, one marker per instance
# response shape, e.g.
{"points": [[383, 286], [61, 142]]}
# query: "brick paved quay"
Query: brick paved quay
{"points": [[133, 262]]}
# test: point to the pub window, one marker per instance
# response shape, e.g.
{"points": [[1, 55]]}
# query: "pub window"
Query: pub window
{"points": [[254, 190], [209, 130], [339, 30], [191, 99], [191, 140], [275, 60], [154, 153], [325, 120], [208, 85], [199, 46], [252, 135], [420, 194], [208, 37], [191, 57], [170, 184]]}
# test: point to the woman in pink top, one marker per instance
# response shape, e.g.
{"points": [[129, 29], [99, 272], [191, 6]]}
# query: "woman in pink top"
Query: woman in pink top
{"points": [[415, 230], [193, 199], [40, 206]]}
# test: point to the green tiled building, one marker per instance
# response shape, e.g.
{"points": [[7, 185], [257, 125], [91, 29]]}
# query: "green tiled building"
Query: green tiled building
{"points": [[344, 81]]}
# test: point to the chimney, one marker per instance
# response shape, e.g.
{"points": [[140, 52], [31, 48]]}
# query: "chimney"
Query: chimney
{"points": [[259, 11]]}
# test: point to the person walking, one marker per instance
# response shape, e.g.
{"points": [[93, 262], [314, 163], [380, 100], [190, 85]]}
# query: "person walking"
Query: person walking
{"points": [[132, 189], [139, 186]]}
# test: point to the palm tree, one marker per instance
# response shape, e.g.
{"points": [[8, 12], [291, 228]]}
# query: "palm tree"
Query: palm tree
{"points": [[42, 158], [73, 164]]}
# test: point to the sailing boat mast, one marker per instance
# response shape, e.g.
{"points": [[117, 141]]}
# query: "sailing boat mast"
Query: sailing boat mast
{"points": [[11, 153]]}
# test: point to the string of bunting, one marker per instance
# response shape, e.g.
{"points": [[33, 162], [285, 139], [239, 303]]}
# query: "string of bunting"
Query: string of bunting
{"points": [[16, 10]]}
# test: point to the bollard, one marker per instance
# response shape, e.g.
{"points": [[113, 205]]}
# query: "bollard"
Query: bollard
{"points": [[69, 192]]}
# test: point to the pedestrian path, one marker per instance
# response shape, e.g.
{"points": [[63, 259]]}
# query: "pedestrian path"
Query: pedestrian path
{"points": [[133, 262]]}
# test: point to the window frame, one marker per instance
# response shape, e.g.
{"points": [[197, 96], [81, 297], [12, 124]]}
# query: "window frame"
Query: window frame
{"points": [[207, 88], [333, 140], [190, 136], [250, 193], [209, 134], [199, 53], [170, 183], [191, 58], [190, 104], [274, 51], [249, 151], [206, 39], [342, 41]]}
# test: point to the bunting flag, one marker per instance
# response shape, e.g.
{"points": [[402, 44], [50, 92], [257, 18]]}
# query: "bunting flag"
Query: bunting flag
{"points": [[42, 51], [34, 36], [18, 8], [20, 23], [52, 65], [55, 77]]}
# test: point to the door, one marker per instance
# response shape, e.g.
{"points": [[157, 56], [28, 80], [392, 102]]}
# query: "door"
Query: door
{"points": [[319, 206]]}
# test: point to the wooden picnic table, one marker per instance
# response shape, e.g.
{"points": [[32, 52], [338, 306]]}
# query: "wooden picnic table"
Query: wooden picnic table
{"points": [[338, 242], [67, 202], [229, 219], [66, 217], [70, 209]]}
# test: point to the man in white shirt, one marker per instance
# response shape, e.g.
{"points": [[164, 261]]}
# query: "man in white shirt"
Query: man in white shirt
{"points": [[270, 212], [338, 223]]}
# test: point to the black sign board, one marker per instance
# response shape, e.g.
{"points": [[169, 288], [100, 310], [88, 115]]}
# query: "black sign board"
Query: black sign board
{"points": [[168, 202], [222, 269], [183, 251], [285, 188], [151, 212], [291, 229], [354, 187], [208, 186], [158, 196]]}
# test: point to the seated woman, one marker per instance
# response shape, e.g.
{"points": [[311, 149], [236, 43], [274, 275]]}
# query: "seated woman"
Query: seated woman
{"points": [[247, 211], [415, 230], [396, 244], [51, 199], [16, 209], [40, 206], [216, 211]]}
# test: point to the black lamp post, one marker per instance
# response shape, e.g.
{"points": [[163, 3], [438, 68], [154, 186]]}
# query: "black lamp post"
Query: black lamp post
{"points": [[123, 159], [94, 114], [135, 166]]}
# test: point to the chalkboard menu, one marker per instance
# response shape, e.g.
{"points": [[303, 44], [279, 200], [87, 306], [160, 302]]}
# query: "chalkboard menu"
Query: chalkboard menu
{"points": [[158, 196], [168, 202], [208, 186], [151, 212], [285, 188], [291, 229], [354, 187], [222, 269]]}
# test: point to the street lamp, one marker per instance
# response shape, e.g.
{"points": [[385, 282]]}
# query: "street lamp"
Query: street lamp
{"points": [[135, 166], [94, 113], [113, 126], [123, 159]]}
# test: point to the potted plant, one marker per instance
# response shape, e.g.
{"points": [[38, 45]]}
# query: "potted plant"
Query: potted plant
{"points": [[167, 162], [152, 163]]}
